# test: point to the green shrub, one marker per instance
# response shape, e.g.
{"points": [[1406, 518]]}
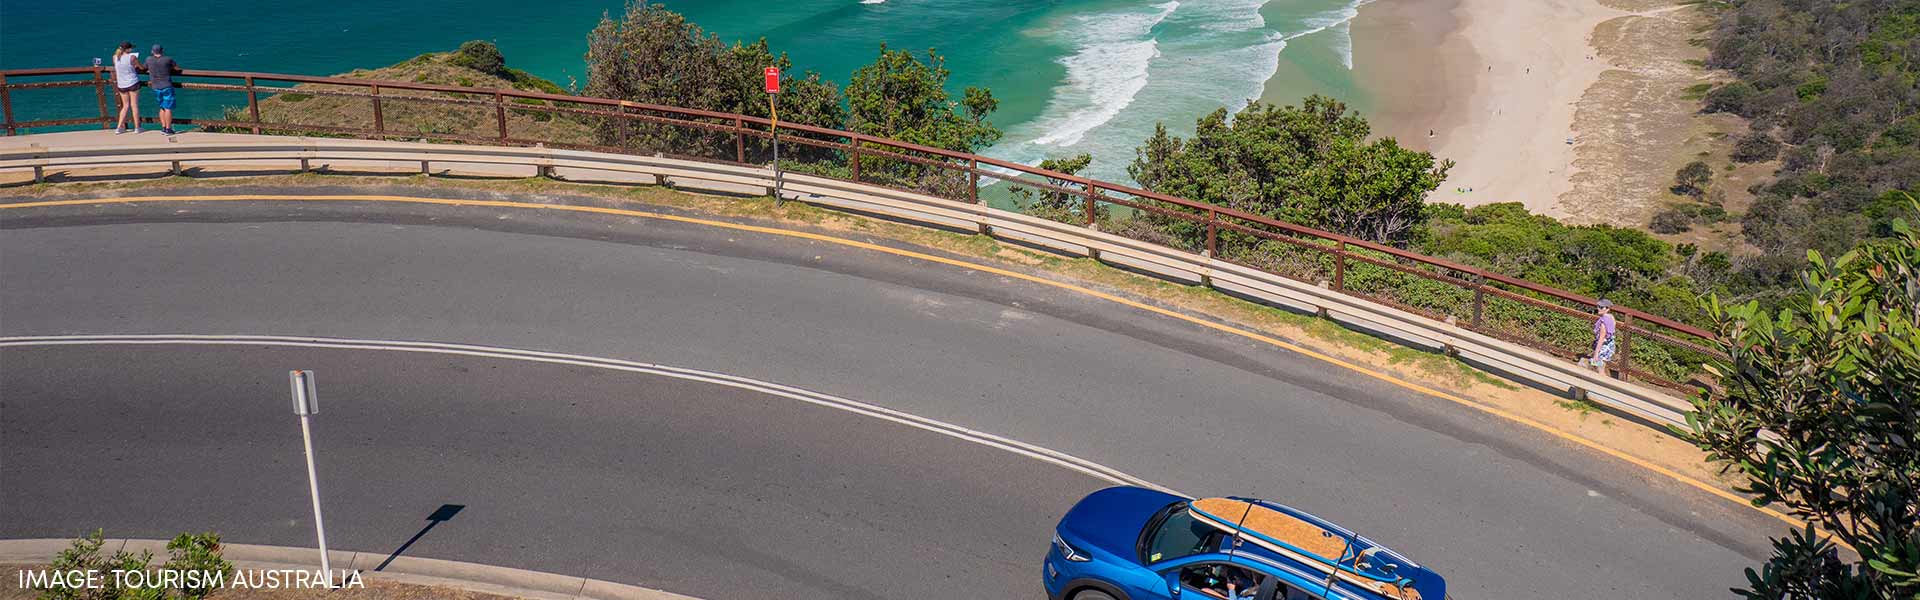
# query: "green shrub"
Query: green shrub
{"points": [[1755, 147], [482, 56], [85, 555], [1736, 98], [1692, 180], [1670, 221], [196, 552]]}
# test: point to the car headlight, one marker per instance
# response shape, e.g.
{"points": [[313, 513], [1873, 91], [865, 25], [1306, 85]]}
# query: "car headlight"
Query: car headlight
{"points": [[1069, 552]]}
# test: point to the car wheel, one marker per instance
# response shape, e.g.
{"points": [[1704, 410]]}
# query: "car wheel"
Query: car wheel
{"points": [[1092, 595]]}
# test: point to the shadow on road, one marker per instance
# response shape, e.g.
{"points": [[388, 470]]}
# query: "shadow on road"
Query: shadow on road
{"points": [[444, 513]]}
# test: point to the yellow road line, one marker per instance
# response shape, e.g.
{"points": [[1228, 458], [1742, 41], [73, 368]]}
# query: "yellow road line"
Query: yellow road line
{"points": [[1495, 411]]}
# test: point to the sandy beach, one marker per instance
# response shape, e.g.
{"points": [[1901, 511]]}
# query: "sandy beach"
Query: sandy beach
{"points": [[1496, 82]]}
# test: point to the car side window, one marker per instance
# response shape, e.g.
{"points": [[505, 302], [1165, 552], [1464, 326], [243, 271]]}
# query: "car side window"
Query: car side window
{"points": [[1181, 535], [1221, 581], [1287, 592]]}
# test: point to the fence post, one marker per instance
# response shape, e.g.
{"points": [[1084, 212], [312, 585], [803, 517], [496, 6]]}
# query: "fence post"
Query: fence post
{"points": [[500, 110], [853, 156], [1626, 345], [973, 179], [6, 103], [253, 105], [739, 140], [379, 121], [100, 95], [1213, 234], [1093, 192], [1479, 298], [623, 123], [1340, 267]]}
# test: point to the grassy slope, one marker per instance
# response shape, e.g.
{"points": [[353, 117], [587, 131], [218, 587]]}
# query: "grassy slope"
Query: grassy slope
{"points": [[403, 117]]}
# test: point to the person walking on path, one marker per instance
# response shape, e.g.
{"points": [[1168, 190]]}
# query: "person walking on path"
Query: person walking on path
{"points": [[1603, 347], [126, 86], [160, 70]]}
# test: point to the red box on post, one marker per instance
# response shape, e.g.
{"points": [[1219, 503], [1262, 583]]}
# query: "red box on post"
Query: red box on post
{"points": [[773, 80]]}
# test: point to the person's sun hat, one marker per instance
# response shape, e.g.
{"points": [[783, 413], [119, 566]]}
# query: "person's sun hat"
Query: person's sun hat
{"points": [[156, 48], [1604, 303]]}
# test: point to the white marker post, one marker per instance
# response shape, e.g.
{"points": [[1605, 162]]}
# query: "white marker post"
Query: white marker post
{"points": [[306, 403]]}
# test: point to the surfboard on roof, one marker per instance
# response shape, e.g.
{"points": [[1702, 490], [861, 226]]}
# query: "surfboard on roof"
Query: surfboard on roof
{"points": [[1350, 559]]}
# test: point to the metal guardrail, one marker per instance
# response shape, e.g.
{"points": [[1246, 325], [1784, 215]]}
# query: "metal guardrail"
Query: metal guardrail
{"points": [[1516, 360], [1488, 303]]}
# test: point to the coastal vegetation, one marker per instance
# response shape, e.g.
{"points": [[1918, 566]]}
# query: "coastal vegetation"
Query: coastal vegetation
{"points": [[474, 64], [1313, 165], [1829, 90], [186, 552], [1819, 419], [656, 56], [1310, 164]]}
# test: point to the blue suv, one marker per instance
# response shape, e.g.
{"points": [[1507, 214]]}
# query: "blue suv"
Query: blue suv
{"points": [[1130, 543]]}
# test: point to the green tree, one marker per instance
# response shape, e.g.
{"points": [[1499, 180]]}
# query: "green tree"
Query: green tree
{"points": [[1821, 416], [1310, 165], [1755, 147], [1692, 179], [656, 56], [897, 96], [1057, 205]]}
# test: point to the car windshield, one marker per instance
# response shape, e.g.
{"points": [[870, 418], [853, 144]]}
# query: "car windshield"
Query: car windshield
{"points": [[1180, 535]]}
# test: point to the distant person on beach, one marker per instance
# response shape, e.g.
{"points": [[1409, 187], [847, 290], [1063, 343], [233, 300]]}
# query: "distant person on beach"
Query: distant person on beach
{"points": [[126, 86], [1603, 347], [160, 70]]}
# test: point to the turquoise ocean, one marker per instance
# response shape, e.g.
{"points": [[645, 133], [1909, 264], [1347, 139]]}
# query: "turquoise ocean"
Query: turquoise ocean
{"points": [[1072, 75]]}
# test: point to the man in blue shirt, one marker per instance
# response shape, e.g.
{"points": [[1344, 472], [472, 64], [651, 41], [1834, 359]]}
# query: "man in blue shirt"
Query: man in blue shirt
{"points": [[160, 69]]}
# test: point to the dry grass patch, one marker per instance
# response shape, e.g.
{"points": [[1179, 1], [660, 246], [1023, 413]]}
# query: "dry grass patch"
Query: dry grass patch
{"points": [[1635, 126]]}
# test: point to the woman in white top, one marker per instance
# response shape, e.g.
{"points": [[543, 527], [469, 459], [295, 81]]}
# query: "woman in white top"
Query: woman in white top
{"points": [[126, 85]]}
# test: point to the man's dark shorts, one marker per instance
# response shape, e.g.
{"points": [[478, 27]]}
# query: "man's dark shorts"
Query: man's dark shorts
{"points": [[165, 95]]}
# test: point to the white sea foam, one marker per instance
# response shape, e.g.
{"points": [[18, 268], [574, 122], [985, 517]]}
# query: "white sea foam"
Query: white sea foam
{"points": [[872, 1], [1345, 43], [1232, 15], [1341, 19], [1104, 75], [1133, 69]]}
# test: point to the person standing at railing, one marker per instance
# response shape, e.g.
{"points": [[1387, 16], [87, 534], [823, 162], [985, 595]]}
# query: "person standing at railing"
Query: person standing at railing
{"points": [[126, 86], [1603, 346], [160, 70]]}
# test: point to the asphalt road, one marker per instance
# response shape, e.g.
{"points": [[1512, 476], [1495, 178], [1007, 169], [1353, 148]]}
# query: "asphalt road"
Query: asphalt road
{"points": [[687, 486], [1501, 510]]}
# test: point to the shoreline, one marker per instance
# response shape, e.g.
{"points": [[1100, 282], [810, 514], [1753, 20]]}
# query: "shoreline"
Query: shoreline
{"points": [[1500, 105]]}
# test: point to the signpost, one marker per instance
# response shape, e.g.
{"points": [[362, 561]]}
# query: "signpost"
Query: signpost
{"points": [[306, 403], [773, 108]]}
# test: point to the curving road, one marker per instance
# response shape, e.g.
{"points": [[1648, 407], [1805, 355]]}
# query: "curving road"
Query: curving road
{"points": [[710, 491]]}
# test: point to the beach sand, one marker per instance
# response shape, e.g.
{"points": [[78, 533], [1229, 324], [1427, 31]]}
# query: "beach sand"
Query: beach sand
{"points": [[1496, 81], [1503, 85]]}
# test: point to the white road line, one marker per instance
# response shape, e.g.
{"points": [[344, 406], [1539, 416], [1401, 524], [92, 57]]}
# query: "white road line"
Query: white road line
{"points": [[1047, 455]]}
